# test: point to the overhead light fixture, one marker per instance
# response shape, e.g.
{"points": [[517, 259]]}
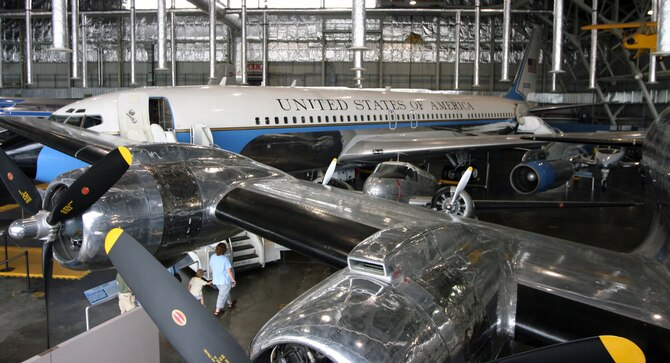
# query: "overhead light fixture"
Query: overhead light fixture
{"points": [[412, 2], [650, 12]]}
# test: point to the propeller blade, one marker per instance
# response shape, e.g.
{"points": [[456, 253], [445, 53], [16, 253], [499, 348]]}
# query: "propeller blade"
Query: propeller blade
{"points": [[461, 185], [47, 272], [21, 188], [191, 329], [329, 172], [604, 348], [91, 185]]}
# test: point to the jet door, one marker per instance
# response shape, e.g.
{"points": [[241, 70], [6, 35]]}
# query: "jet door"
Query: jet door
{"points": [[133, 111]]}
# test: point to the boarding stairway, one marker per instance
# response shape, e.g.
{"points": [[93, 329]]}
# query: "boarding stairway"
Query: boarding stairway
{"points": [[247, 250]]}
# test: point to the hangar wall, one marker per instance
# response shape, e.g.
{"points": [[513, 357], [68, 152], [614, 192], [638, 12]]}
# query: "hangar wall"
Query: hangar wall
{"points": [[317, 46]]}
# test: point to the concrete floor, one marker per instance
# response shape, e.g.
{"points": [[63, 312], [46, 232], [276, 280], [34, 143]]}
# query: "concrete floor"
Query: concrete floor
{"points": [[261, 293]]}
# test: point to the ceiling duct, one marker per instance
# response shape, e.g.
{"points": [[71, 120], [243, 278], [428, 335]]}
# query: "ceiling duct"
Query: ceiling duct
{"points": [[161, 18], [59, 26], [358, 39], [233, 21]]}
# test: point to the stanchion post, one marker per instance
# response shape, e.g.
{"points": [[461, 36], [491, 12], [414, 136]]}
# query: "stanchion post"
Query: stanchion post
{"points": [[27, 270], [7, 268]]}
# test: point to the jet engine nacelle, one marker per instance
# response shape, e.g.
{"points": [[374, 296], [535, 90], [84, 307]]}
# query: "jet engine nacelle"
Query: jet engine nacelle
{"points": [[165, 203], [541, 175], [414, 293]]}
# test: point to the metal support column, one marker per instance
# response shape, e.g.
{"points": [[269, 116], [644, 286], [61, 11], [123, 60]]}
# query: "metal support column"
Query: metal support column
{"points": [[265, 48], [161, 16], [133, 44], [74, 19], [557, 58], [457, 46], [381, 54], [101, 66], [323, 46], [29, 44], [652, 56], [173, 45], [507, 28], [84, 51], [243, 55], [663, 28], [438, 46], [59, 26], [594, 46], [212, 39], [1, 52], [475, 81], [358, 39]]}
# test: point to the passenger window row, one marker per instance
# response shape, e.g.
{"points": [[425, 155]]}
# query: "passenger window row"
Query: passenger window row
{"points": [[386, 117]]}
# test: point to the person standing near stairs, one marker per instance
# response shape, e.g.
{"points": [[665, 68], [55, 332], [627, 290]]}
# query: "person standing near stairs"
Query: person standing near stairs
{"points": [[223, 278]]}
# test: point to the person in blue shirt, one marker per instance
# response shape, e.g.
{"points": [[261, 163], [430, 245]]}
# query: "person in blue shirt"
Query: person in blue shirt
{"points": [[223, 277]]}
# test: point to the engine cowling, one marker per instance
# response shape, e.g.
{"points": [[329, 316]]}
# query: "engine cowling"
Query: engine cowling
{"points": [[541, 175], [164, 203], [414, 293]]}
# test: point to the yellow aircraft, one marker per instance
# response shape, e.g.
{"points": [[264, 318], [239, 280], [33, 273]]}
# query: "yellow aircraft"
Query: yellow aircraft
{"points": [[641, 40]]}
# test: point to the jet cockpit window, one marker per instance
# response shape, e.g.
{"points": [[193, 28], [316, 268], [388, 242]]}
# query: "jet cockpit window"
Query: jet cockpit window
{"points": [[91, 120], [160, 113], [73, 121], [386, 171], [83, 121], [58, 118]]}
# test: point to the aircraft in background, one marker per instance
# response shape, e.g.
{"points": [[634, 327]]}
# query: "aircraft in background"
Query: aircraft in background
{"points": [[406, 183], [300, 129], [641, 39], [22, 151], [31, 107], [415, 284], [555, 163]]}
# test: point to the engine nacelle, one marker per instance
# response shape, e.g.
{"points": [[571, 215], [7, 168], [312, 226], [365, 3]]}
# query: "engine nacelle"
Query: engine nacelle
{"points": [[541, 175], [415, 293], [164, 203]]}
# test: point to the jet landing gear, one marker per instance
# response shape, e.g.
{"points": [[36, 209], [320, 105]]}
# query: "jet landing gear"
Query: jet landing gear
{"points": [[462, 207], [458, 163], [450, 172]]}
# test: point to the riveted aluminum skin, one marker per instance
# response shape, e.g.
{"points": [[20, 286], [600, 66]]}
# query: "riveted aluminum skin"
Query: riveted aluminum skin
{"points": [[413, 293]]}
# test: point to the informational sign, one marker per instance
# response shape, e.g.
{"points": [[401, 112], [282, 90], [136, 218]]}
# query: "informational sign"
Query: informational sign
{"points": [[102, 293], [255, 67]]}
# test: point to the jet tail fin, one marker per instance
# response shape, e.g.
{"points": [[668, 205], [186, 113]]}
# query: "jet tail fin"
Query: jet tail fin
{"points": [[526, 75]]}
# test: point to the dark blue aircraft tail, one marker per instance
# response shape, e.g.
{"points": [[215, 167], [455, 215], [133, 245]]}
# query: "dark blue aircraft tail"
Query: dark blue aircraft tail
{"points": [[526, 76]]}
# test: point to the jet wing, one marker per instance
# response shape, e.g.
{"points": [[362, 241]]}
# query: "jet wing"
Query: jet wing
{"points": [[86, 145], [614, 138], [563, 106], [383, 146]]}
